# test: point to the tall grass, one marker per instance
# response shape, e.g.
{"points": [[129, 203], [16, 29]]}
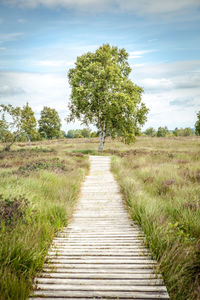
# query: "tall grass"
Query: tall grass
{"points": [[50, 190], [161, 186]]}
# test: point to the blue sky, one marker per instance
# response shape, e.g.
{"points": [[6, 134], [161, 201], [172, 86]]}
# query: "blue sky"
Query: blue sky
{"points": [[40, 40]]}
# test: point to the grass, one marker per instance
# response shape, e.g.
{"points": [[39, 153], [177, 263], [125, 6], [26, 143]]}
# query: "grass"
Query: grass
{"points": [[38, 189], [159, 180]]}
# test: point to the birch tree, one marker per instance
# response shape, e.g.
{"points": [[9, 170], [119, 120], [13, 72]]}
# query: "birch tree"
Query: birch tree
{"points": [[103, 95], [15, 122]]}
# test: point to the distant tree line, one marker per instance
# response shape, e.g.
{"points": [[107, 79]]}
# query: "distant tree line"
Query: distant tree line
{"points": [[20, 124], [81, 133], [163, 132]]}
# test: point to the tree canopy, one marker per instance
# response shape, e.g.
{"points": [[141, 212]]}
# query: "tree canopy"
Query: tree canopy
{"points": [[28, 122], [103, 95], [197, 124], [49, 123]]}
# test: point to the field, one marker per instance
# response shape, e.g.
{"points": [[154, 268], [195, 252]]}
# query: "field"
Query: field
{"points": [[160, 183]]}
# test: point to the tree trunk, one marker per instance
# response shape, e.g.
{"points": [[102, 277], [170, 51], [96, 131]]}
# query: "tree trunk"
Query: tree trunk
{"points": [[102, 138], [7, 148]]}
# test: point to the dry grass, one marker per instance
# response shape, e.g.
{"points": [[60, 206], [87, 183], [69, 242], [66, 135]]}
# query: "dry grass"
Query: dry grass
{"points": [[160, 181]]}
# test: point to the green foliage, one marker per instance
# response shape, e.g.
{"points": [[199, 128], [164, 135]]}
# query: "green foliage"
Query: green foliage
{"points": [[28, 122], [162, 131], [150, 131], [39, 165], [13, 209], [197, 124], [14, 123], [78, 133], [103, 95], [49, 123], [20, 124], [183, 131]]}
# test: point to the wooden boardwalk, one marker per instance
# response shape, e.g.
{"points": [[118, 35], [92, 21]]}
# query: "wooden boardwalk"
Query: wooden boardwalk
{"points": [[100, 255]]}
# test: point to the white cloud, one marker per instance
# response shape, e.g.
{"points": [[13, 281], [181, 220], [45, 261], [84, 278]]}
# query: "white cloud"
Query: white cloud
{"points": [[22, 21], [38, 89], [137, 65], [55, 63], [157, 7], [172, 92], [7, 37], [142, 7], [139, 54]]}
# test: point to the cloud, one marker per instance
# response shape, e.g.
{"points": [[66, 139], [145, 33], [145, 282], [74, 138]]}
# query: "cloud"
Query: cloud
{"points": [[139, 54], [171, 92], [142, 7], [55, 63], [22, 21], [158, 7], [38, 89], [6, 90], [182, 102], [7, 37]]}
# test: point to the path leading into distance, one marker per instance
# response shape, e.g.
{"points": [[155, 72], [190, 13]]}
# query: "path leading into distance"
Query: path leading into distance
{"points": [[101, 254]]}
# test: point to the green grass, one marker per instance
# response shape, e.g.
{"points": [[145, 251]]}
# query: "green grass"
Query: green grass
{"points": [[160, 181], [50, 182]]}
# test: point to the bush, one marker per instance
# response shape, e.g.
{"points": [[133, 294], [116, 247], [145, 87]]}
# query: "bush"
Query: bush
{"points": [[13, 208]]}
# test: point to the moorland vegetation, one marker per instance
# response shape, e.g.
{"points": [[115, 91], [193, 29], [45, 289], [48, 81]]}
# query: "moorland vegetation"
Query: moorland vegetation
{"points": [[159, 180]]}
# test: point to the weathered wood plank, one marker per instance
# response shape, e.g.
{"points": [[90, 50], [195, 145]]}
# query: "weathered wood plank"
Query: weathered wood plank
{"points": [[98, 271], [92, 287], [101, 262], [101, 282], [100, 294], [104, 276]]}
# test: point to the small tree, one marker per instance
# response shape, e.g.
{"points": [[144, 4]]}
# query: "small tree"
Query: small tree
{"points": [[70, 134], [13, 124], [150, 131], [85, 132], [49, 123], [28, 122], [103, 95], [197, 124], [162, 131]]}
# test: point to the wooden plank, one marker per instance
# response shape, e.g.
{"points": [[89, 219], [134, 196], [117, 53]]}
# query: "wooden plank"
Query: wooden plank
{"points": [[100, 294], [101, 282], [84, 298], [93, 287], [100, 261], [98, 271], [107, 276], [103, 258], [99, 266]]}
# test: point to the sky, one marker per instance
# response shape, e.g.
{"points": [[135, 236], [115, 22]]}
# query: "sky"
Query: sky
{"points": [[41, 39]]}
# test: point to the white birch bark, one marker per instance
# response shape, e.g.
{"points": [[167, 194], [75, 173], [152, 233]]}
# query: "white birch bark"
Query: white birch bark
{"points": [[102, 137]]}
